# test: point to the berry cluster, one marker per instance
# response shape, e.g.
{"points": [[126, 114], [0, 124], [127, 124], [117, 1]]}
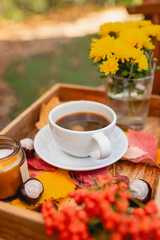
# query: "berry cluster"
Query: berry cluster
{"points": [[106, 208], [67, 224]]}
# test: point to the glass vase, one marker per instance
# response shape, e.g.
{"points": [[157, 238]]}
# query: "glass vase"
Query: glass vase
{"points": [[129, 98]]}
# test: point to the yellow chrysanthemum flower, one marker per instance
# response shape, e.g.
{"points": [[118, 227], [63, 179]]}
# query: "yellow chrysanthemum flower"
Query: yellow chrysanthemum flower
{"points": [[139, 57], [143, 23], [142, 63], [129, 25], [123, 42], [135, 24], [108, 28], [109, 66], [136, 38], [135, 53], [122, 50], [100, 48], [152, 31]]}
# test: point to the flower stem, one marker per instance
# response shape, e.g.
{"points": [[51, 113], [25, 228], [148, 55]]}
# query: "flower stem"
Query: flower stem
{"points": [[131, 71], [130, 103], [131, 111]]}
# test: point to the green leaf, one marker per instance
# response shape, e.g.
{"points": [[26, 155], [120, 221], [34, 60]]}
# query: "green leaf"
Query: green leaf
{"points": [[125, 73], [138, 75]]}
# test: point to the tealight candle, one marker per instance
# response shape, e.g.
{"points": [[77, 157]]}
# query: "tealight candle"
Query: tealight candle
{"points": [[13, 166]]}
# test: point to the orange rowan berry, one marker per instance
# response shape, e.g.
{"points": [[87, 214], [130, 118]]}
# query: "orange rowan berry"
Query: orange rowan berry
{"points": [[72, 194], [109, 225], [123, 186], [48, 222], [122, 205], [151, 208], [104, 206], [49, 232], [82, 215], [139, 212], [116, 236], [45, 214], [124, 194]]}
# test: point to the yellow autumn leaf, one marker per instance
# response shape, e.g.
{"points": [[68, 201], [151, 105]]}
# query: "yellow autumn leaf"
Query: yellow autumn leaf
{"points": [[158, 155], [56, 185]]}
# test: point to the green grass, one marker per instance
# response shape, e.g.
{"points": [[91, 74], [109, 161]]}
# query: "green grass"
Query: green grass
{"points": [[67, 63]]}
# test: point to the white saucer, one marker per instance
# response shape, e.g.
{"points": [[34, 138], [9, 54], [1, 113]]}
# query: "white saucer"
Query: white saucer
{"points": [[50, 152]]}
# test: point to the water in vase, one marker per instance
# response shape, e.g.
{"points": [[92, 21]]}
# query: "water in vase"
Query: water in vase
{"points": [[131, 113]]}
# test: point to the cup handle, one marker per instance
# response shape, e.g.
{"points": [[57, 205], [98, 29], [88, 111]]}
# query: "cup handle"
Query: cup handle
{"points": [[103, 144]]}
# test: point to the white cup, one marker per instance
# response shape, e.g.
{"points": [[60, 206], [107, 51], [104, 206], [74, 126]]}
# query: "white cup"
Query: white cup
{"points": [[94, 143]]}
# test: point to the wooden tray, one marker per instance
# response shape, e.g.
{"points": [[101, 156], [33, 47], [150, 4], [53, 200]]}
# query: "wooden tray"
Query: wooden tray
{"points": [[16, 223]]}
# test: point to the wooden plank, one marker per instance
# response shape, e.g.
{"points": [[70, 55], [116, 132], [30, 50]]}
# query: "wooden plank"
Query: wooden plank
{"points": [[154, 107], [77, 92], [20, 224], [157, 196], [145, 8], [139, 171]]}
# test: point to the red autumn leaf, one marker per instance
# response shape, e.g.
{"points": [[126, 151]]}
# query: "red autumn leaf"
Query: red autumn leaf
{"points": [[145, 141], [39, 164], [142, 148], [84, 179], [134, 153], [32, 175], [34, 172]]}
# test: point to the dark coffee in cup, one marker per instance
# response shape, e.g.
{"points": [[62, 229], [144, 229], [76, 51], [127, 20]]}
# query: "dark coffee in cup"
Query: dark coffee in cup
{"points": [[83, 121]]}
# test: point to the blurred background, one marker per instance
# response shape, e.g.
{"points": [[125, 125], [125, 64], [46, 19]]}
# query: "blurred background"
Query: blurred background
{"points": [[43, 42]]}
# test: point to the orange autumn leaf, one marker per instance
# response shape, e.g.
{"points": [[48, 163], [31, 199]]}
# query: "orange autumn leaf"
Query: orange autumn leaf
{"points": [[158, 156], [56, 185], [44, 112]]}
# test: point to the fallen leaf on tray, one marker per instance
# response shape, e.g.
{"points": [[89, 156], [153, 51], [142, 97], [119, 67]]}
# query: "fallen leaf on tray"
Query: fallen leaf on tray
{"points": [[142, 148], [145, 141], [56, 185], [44, 112], [158, 156], [39, 164], [84, 179], [34, 172], [134, 153]]}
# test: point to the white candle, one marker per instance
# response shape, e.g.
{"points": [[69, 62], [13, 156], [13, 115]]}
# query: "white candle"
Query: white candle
{"points": [[5, 152]]}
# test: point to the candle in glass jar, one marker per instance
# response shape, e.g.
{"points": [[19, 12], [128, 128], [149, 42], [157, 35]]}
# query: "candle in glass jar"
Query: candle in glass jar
{"points": [[5, 152], [12, 162]]}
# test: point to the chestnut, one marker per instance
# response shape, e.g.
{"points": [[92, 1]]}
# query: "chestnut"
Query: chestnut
{"points": [[31, 191], [28, 146], [140, 190]]}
